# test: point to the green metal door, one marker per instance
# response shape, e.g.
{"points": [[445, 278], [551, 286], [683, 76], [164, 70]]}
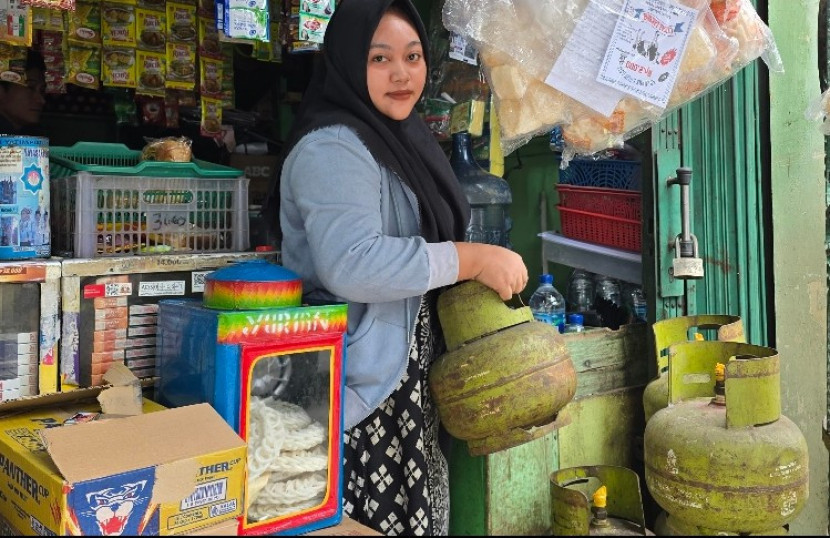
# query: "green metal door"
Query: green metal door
{"points": [[718, 137]]}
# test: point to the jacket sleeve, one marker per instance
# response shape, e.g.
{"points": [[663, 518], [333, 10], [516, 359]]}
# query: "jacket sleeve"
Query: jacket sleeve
{"points": [[336, 185]]}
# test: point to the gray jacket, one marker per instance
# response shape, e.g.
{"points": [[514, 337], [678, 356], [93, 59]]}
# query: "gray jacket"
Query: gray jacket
{"points": [[350, 230]]}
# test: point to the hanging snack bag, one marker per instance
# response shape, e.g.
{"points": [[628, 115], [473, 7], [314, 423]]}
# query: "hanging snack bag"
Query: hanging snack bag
{"points": [[181, 66], [151, 29], [211, 124], [211, 78], [17, 23], [12, 64], [228, 84], [118, 25], [604, 70], [151, 111], [50, 20], [84, 24], [171, 110], [181, 23], [84, 66], [151, 70], [118, 68], [247, 20], [209, 38]]}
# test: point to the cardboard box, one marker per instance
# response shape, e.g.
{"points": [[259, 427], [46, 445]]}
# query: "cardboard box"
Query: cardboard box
{"points": [[228, 528], [259, 169], [162, 471]]}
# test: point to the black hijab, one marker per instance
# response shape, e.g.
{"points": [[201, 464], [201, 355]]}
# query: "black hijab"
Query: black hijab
{"points": [[338, 94]]}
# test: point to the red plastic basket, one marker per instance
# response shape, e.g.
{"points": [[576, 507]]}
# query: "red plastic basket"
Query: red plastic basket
{"points": [[605, 230], [620, 203]]}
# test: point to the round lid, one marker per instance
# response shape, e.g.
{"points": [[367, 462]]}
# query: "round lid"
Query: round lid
{"points": [[252, 285], [253, 271]]}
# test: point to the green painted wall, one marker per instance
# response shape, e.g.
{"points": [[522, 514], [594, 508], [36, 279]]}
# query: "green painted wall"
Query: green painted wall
{"points": [[798, 258], [532, 171]]}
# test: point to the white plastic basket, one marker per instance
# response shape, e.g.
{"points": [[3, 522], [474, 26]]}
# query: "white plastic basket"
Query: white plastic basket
{"points": [[100, 215]]}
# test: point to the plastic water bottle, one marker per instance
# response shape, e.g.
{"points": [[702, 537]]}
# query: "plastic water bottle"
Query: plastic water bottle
{"points": [[608, 288], [635, 301], [547, 304], [575, 324], [580, 299]]}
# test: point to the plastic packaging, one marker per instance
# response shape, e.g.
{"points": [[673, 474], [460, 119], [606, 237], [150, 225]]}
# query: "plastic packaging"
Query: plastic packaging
{"points": [[547, 303], [604, 70], [818, 110], [169, 149]]}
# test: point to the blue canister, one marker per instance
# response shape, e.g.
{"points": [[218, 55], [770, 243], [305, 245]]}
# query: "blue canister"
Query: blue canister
{"points": [[24, 197]]}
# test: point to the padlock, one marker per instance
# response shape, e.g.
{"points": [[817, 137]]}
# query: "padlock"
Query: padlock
{"points": [[686, 267]]}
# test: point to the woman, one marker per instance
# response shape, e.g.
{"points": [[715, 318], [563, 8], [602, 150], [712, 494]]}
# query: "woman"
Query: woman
{"points": [[21, 106], [372, 215]]}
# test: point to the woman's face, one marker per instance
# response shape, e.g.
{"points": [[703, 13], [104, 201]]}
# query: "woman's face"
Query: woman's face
{"points": [[22, 105], [396, 70]]}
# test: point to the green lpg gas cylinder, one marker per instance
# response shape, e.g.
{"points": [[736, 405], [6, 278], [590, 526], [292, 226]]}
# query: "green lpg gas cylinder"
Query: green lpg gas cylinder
{"points": [[504, 378], [615, 507], [721, 457], [666, 525], [681, 329]]}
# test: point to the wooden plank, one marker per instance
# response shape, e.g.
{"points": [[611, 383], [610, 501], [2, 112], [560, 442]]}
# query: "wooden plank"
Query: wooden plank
{"points": [[518, 488], [607, 360], [603, 430]]}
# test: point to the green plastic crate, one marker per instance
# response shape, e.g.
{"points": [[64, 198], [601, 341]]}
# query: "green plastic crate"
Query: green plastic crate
{"points": [[104, 159]]}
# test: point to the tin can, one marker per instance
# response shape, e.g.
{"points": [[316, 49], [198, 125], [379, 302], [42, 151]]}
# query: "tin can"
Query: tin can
{"points": [[24, 197]]}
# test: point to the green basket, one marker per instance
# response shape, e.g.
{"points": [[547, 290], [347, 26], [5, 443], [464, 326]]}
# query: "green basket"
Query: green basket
{"points": [[104, 159]]}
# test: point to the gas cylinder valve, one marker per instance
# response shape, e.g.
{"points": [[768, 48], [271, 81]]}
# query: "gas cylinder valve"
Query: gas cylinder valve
{"points": [[599, 499], [720, 388]]}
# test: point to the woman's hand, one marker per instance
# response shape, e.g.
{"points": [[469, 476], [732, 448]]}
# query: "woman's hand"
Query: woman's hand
{"points": [[496, 267]]}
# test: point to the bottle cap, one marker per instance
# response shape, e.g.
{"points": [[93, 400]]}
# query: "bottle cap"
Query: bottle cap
{"points": [[547, 278], [575, 319]]}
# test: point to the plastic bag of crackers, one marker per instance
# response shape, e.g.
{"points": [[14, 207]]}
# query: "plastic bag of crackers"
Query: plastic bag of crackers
{"points": [[604, 70], [819, 111]]}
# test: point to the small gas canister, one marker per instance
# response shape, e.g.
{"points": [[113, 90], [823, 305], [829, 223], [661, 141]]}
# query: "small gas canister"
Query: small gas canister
{"points": [[721, 456], [597, 500]]}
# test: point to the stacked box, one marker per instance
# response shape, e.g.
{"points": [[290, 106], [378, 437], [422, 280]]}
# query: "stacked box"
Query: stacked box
{"points": [[110, 308], [29, 295]]}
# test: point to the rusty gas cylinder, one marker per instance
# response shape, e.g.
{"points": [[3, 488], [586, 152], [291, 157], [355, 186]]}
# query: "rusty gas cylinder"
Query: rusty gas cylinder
{"points": [[666, 525], [673, 331], [504, 378], [615, 507], [721, 457]]}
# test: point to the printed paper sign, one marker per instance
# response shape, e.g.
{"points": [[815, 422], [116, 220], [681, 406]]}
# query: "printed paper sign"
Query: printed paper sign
{"points": [[575, 71], [11, 160], [646, 48], [161, 288]]}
